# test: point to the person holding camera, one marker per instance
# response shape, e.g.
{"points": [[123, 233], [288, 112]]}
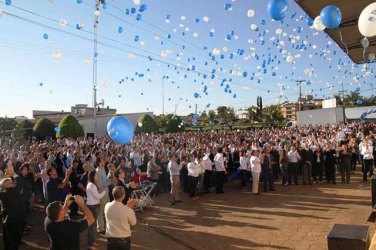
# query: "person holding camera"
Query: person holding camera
{"points": [[93, 202], [64, 233]]}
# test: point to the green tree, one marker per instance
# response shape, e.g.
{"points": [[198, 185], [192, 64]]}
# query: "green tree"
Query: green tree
{"points": [[252, 114], [230, 116], [148, 125], [24, 129], [222, 113], [44, 128], [70, 127], [212, 116], [174, 124], [7, 125], [273, 115]]}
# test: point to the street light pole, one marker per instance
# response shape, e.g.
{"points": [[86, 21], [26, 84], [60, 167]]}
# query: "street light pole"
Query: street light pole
{"points": [[95, 63]]}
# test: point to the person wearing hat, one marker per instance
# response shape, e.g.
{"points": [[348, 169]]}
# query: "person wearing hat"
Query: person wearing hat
{"points": [[64, 233]]}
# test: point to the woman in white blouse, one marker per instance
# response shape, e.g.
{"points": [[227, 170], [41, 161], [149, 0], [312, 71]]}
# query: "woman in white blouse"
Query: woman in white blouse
{"points": [[93, 203], [243, 168], [256, 170]]}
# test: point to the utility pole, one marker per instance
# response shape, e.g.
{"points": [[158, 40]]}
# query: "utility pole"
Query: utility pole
{"points": [[95, 63], [300, 93]]}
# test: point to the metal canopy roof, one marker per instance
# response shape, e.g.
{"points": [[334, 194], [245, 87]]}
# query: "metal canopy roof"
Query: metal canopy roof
{"points": [[351, 10]]}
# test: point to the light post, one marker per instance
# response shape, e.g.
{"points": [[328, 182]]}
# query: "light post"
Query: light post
{"points": [[95, 62]]}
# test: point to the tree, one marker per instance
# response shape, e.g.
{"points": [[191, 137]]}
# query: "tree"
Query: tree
{"points": [[222, 113], [273, 115], [24, 129], [148, 124], [70, 127], [211, 116], [252, 114], [230, 116], [7, 125], [174, 124], [44, 128], [351, 100]]}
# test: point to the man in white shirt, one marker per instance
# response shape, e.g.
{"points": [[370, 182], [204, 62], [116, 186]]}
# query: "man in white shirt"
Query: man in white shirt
{"points": [[119, 218], [220, 171]]}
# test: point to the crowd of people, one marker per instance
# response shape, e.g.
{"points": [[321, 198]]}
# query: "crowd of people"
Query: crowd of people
{"points": [[95, 178]]}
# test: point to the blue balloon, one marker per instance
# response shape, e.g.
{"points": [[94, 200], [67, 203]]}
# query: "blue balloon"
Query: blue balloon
{"points": [[359, 102], [196, 95], [45, 36], [138, 17], [136, 38], [104, 5], [120, 29], [142, 7], [57, 130], [120, 130], [228, 6], [79, 1], [331, 16], [133, 10], [277, 9]]}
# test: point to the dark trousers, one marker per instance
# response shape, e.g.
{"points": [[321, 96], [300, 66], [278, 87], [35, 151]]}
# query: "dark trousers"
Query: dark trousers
{"points": [[220, 177], [12, 234], [243, 178], [207, 180], [90, 232], [293, 169], [155, 191], [354, 160], [317, 171], [192, 185], [330, 172], [367, 168], [119, 243], [267, 179], [345, 172]]}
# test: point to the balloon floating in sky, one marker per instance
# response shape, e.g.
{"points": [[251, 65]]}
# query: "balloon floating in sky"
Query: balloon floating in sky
{"points": [[79, 1], [317, 24], [331, 17], [367, 21], [120, 130], [139, 124], [57, 130], [63, 23], [289, 59], [138, 17], [8, 2], [57, 54], [250, 13], [45, 36], [142, 7], [228, 6], [205, 19], [120, 30], [359, 102], [277, 9], [136, 2], [97, 13], [196, 95]]}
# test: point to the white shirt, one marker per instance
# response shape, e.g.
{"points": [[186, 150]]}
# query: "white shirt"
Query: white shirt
{"points": [[193, 169], [219, 162], [243, 163], [255, 164], [367, 152], [119, 218], [93, 196], [207, 163], [293, 157]]}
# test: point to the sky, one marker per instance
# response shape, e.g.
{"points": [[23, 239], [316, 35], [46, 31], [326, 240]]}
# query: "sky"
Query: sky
{"points": [[190, 52]]}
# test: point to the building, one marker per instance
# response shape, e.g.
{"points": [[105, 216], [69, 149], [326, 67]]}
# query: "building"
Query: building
{"points": [[84, 115], [289, 109]]}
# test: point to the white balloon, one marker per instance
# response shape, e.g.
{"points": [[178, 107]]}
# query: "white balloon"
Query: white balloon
{"points": [[216, 52], [205, 19], [87, 61], [195, 34], [136, 2], [106, 84], [57, 54], [253, 26], [182, 18], [279, 31], [289, 59], [371, 56], [250, 13], [367, 21], [317, 24], [97, 13], [131, 56], [81, 25], [365, 42], [63, 23], [139, 124]]}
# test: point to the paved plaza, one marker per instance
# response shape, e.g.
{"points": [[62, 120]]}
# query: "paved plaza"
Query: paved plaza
{"points": [[293, 217]]}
